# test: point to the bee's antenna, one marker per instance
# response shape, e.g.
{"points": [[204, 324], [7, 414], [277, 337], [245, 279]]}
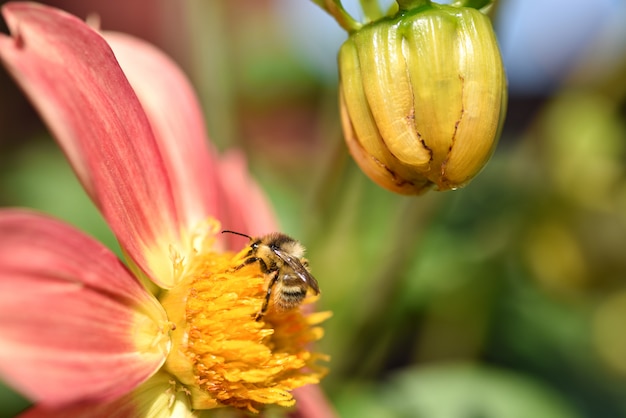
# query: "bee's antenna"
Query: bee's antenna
{"points": [[226, 231]]}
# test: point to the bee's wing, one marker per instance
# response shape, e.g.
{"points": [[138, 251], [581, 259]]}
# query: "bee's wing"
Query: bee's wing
{"points": [[300, 270]]}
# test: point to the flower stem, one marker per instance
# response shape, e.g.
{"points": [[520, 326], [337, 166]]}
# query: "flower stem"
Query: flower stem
{"points": [[412, 4], [475, 4], [485, 6], [371, 10], [336, 10]]}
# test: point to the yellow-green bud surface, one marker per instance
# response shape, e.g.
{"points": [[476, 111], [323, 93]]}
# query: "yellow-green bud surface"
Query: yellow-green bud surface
{"points": [[423, 97]]}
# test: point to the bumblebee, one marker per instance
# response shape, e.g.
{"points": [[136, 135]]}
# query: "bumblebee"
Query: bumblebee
{"points": [[280, 258]]}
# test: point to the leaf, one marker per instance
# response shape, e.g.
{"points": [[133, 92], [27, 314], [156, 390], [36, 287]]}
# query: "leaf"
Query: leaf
{"points": [[468, 391]]}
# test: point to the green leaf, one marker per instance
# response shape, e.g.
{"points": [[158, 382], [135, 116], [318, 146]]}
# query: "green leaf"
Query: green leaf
{"points": [[468, 391], [12, 403], [361, 400]]}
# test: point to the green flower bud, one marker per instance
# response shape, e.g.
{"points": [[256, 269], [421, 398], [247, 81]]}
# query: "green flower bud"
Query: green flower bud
{"points": [[422, 97]]}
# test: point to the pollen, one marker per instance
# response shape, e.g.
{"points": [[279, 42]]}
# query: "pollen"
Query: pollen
{"points": [[221, 354]]}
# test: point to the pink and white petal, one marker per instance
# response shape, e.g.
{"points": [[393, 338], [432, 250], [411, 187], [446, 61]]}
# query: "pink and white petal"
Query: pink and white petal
{"points": [[75, 325], [161, 397], [157, 398], [312, 403], [245, 206], [117, 409], [72, 77], [227, 191], [178, 124]]}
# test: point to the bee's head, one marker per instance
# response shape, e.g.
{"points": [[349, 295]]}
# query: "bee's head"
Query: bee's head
{"points": [[280, 241]]}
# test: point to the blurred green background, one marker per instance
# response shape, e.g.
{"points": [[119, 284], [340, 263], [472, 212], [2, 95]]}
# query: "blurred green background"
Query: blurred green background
{"points": [[505, 299]]}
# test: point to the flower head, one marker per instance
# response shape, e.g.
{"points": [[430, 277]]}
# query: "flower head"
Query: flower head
{"points": [[80, 333], [422, 96]]}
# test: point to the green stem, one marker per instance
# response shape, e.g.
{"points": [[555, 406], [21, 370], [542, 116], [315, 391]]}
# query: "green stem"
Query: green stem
{"points": [[482, 5], [413, 217], [412, 4], [371, 10], [336, 10]]}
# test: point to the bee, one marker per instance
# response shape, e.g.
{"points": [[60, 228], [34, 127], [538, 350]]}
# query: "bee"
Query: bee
{"points": [[281, 260]]}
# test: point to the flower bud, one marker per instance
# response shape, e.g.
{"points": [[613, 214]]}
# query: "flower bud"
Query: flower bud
{"points": [[422, 97]]}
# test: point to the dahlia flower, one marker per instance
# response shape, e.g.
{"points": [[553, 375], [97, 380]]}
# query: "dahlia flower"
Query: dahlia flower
{"points": [[171, 331]]}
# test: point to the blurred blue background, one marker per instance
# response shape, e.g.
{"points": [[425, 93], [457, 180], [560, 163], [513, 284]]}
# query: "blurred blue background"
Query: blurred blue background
{"points": [[502, 299]]}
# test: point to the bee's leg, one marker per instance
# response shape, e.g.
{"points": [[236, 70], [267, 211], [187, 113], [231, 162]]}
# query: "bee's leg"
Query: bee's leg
{"points": [[268, 296], [251, 260]]}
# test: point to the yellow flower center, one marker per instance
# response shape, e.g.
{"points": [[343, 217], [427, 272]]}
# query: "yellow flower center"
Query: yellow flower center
{"points": [[220, 352]]}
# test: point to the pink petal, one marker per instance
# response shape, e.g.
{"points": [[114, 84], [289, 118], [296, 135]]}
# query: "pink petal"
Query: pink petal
{"points": [[73, 321], [83, 410], [226, 192], [312, 403], [246, 208], [71, 76], [178, 124], [155, 398]]}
